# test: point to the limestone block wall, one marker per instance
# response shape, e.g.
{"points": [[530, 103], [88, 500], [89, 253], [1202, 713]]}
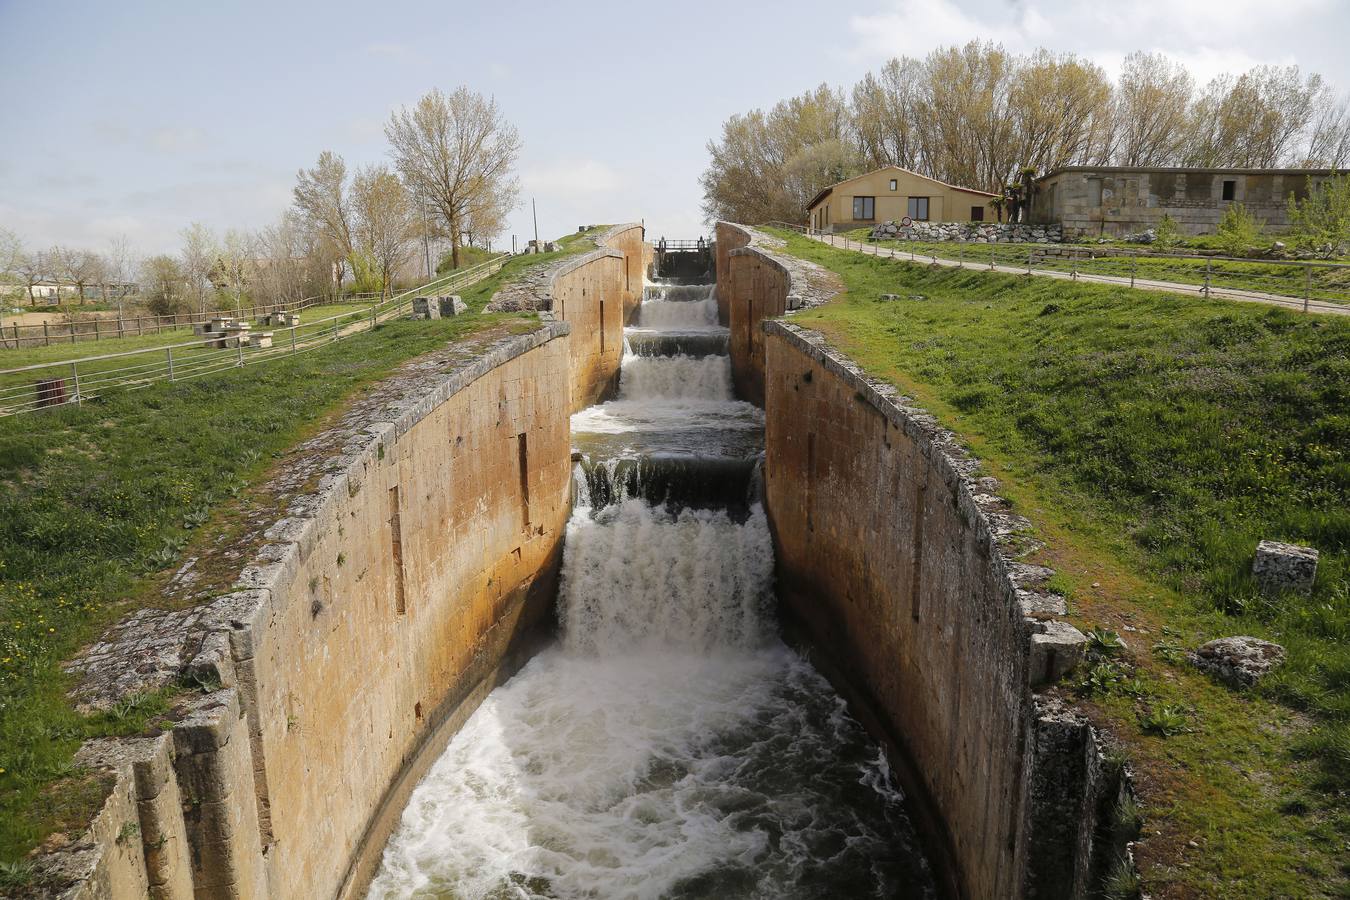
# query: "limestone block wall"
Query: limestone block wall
{"points": [[727, 237], [596, 292], [630, 240], [416, 574], [752, 286], [588, 292], [898, 567], [1118, 200]]}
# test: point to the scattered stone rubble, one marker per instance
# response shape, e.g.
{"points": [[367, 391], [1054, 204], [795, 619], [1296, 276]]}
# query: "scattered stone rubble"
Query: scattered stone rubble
{"points": [[970, 232], [1238, 661], [1279, 567]]}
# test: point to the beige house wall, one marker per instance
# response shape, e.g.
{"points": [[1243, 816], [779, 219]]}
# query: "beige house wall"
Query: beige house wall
{"points": [[945, 204]]}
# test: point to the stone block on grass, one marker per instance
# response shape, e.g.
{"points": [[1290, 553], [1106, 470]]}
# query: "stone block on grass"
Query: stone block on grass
{"points": [[1280, 567]]}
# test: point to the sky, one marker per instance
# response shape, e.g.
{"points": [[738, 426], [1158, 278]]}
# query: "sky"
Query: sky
{"points": [[133, 119]]}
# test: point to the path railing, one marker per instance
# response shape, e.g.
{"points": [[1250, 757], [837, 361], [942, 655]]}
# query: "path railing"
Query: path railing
{"points": [[1306, 285], [16, 336], [43, 385]]}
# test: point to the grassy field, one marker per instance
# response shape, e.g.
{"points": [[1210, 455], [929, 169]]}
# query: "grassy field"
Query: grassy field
{"points": [[1153, 440], [1327, 282], [98, 502]]}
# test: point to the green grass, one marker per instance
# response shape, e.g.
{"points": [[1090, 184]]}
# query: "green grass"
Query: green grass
{"points": [[97, 501], [1328, 283], [1154, 439]]}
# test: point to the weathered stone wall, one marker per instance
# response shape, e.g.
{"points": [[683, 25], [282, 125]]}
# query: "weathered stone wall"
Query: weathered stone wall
{"points": [[596, 292], [377, 612], [1117, 201], [763, 287], [898, 566], [727, 237], [976, 233], [630, 240]]}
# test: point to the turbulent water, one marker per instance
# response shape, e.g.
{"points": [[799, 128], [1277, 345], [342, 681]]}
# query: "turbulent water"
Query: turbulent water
{"points": [[670, 745]]}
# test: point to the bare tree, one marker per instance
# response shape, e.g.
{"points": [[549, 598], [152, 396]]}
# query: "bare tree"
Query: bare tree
{"points": [[11, 253], [233, 261], [1060, 111], [32, 269], [456, 152], [384, 218], [80, 267], [198, 257], [1152, 102], [885, 115], [122, 268], [321, 198]]}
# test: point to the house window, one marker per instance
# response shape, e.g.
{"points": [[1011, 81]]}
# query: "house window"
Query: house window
{"points": [[864, 209], [893, 184], [918, 209], [1229, 190], [977, 214]]}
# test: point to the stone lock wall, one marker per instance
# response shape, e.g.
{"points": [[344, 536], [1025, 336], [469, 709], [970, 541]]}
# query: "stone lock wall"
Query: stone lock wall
{"points": [[898, 568], [596, 292], [383, 605]]}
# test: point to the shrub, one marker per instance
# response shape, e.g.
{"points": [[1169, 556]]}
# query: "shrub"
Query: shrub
{"points": [[1168, 234], [1321, 222], [1238, 230]]}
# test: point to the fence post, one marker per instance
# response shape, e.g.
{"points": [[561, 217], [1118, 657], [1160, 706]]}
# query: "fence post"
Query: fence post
{"points": [[1134, 262], [960, 255], [239, 350], [72, 332], [335, 329], [119, 326], [1307, 285], [1208, 265], [96, 328], [1073, 272], [293, 350], [1029, 253], [991, 257], [46, 338], [75, 373], [169, 351]]}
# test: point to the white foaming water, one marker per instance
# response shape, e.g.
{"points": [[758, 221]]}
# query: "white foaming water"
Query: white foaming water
{"points": [[678, 314], [641, 577], [670, 748], [675, 378]]}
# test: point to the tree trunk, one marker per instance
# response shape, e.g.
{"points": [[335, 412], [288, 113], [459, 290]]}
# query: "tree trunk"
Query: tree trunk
{"points": [[454, 243]]}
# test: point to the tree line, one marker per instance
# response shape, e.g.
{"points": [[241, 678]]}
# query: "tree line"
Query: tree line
{"points": [[979, 116], [451, 182]]}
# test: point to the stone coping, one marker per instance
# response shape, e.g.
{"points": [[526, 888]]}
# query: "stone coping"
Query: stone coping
{"points": [[809, 285]]}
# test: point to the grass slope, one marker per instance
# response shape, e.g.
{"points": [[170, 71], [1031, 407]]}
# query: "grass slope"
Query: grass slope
{"points": [[1153, 439]]}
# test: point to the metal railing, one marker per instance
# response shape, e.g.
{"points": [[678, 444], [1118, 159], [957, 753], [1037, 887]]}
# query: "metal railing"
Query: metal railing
{"points": [[1308, 286], [14, 336], [75, 381]]}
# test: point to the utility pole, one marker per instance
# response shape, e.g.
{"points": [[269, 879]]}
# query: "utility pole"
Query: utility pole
{"points": [[534, 210]]}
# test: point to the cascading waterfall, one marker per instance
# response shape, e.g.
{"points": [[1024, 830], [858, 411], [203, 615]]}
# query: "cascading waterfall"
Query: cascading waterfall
{"points": [[670, 745]]}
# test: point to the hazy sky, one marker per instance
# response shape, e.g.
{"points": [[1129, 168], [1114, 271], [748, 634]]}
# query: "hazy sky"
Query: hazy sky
{"points": [[135, 118]]}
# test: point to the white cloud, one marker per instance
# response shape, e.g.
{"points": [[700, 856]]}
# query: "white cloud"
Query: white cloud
{"points": [[1209, 36]]}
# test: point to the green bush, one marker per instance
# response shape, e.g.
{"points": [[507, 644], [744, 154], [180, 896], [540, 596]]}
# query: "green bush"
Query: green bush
{"points": [[1238, 231], [1321, 223], [1168, 234]]}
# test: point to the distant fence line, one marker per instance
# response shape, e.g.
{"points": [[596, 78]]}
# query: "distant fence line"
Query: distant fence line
{"points": [[15, 336], [44, 385], [1308, 286]]}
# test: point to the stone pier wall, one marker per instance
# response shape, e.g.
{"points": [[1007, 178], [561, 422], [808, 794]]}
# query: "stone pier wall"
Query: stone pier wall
{"points": [[414, 568], [596, 292], [898, 569]]}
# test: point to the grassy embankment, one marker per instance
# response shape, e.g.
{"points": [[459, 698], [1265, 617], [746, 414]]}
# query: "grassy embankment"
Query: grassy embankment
{"points": [[100, 503], [1328, 283], [1153, 439]]}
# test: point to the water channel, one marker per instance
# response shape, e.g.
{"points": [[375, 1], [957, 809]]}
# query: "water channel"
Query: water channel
{"points": [[670, 745]]}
